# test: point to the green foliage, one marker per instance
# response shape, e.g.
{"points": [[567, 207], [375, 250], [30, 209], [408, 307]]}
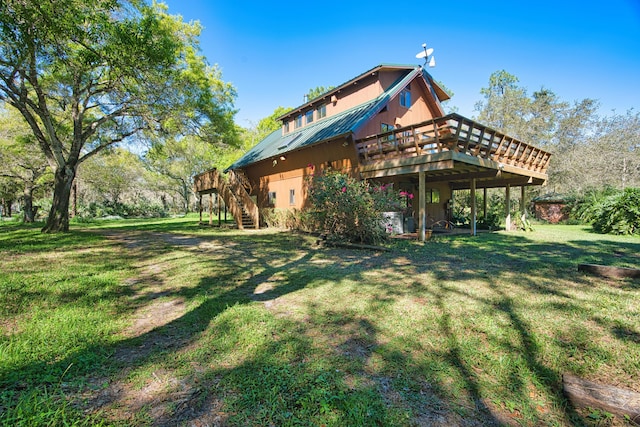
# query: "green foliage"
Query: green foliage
{"points": [[583, 207], [87, 75], [609, 211], [318, 91], [142, 209], [349, 209], [618, 213], [293, 219]]}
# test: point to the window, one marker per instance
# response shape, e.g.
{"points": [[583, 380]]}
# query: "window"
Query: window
{"points": [[322, 111], [405, 97], [432, 195], [386, 128], [292, 197], [285, 124], [272, 198], [298, 122], [309, 116]]}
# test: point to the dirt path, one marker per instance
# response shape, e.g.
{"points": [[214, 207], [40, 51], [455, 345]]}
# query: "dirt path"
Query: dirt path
{"points": [[166, 399]]}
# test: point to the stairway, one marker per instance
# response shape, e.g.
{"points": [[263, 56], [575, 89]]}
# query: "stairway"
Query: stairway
{"points": [[233, 192]]}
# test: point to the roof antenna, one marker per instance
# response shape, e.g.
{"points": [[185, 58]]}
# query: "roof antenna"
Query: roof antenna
{"points": [[427, 54]]}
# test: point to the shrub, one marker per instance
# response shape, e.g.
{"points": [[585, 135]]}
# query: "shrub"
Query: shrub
{"points": [[350, 210], [292, 219], [143, 209], [618, 213]]}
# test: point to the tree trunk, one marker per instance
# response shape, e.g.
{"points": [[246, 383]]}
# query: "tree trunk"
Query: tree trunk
{"points": [[186, 192], [58, 220], [6, 207], [28, 213], [74, 211]]}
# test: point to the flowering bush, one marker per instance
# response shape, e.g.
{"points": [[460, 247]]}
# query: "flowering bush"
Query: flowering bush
{"points": [[351, 210]]}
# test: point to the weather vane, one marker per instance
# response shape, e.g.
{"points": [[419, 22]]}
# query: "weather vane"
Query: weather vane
{"points": [[427, 54]]}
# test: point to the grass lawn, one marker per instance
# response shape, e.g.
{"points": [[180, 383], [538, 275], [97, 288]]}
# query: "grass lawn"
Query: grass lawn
{"points": [[163, 322]]}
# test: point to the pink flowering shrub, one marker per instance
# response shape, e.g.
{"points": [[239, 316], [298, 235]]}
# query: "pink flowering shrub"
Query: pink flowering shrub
{"points": [[350, 210]]}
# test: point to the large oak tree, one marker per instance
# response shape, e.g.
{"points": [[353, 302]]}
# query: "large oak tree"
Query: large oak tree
{"points": [[87, 75]]}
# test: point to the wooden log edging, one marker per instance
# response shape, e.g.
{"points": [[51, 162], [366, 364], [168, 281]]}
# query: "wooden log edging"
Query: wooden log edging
{"points": [[587, 394], [609, 271]]}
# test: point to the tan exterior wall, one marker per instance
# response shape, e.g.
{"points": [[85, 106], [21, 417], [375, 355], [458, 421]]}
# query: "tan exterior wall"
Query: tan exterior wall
{"points": [[365, 90], [291, 174], [397, 115]]}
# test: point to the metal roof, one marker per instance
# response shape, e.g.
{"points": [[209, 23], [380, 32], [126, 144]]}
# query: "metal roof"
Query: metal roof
{"points": [[341, 124]]}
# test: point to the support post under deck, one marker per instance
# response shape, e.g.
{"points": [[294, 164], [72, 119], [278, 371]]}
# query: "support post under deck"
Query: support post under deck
{"points": [[507, 204], [474, 209], [423, 205]]}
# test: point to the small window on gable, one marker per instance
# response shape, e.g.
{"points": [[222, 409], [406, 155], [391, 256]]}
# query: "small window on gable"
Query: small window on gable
{"points": [[298, 122], [322, 111], [292, 197], [285, 126], [405, 97], [308, 116]]}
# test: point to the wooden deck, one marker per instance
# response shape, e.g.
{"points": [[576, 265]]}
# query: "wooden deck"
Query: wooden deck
{"points": [[452, 133]]}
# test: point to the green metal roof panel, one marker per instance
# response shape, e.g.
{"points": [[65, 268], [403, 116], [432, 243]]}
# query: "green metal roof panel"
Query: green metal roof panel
{"points": [[344, 123]]}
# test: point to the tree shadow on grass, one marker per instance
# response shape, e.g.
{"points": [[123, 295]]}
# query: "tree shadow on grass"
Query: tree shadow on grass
{"points": [[336, 364]]}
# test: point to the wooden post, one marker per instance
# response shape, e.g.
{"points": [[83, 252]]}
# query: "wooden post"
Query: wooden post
{"points": [[507, 204], [523, 206], [219, 210], [473, 208], [210, 208], [422, 194], [200, 206], [484, 204]]}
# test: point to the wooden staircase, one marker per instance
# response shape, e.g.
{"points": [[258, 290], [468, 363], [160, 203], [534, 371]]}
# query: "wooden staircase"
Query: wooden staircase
{"points": [[236, 198]]}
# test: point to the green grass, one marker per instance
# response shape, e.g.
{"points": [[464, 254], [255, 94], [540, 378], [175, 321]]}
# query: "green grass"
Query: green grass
{"points": [[164, 321]]}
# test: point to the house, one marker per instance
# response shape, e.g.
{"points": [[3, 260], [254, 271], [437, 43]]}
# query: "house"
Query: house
{"points": [[387, 124]]}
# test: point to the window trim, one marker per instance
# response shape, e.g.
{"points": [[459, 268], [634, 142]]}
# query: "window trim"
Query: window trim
{"points": [[405, 97], [322, 111]]}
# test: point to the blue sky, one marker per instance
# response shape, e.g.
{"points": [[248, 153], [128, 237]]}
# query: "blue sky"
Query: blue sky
{"points": [[273, 54]]}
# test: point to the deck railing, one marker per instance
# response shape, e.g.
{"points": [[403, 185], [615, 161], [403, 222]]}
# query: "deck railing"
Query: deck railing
{"points": [[452, 132]]}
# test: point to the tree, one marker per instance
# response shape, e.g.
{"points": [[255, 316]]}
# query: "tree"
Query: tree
{"points": [[112, 174], [21, 164], [87, 75], [8, 191], [506, 105], [546, 121], [318, 91], [180, 160]]}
